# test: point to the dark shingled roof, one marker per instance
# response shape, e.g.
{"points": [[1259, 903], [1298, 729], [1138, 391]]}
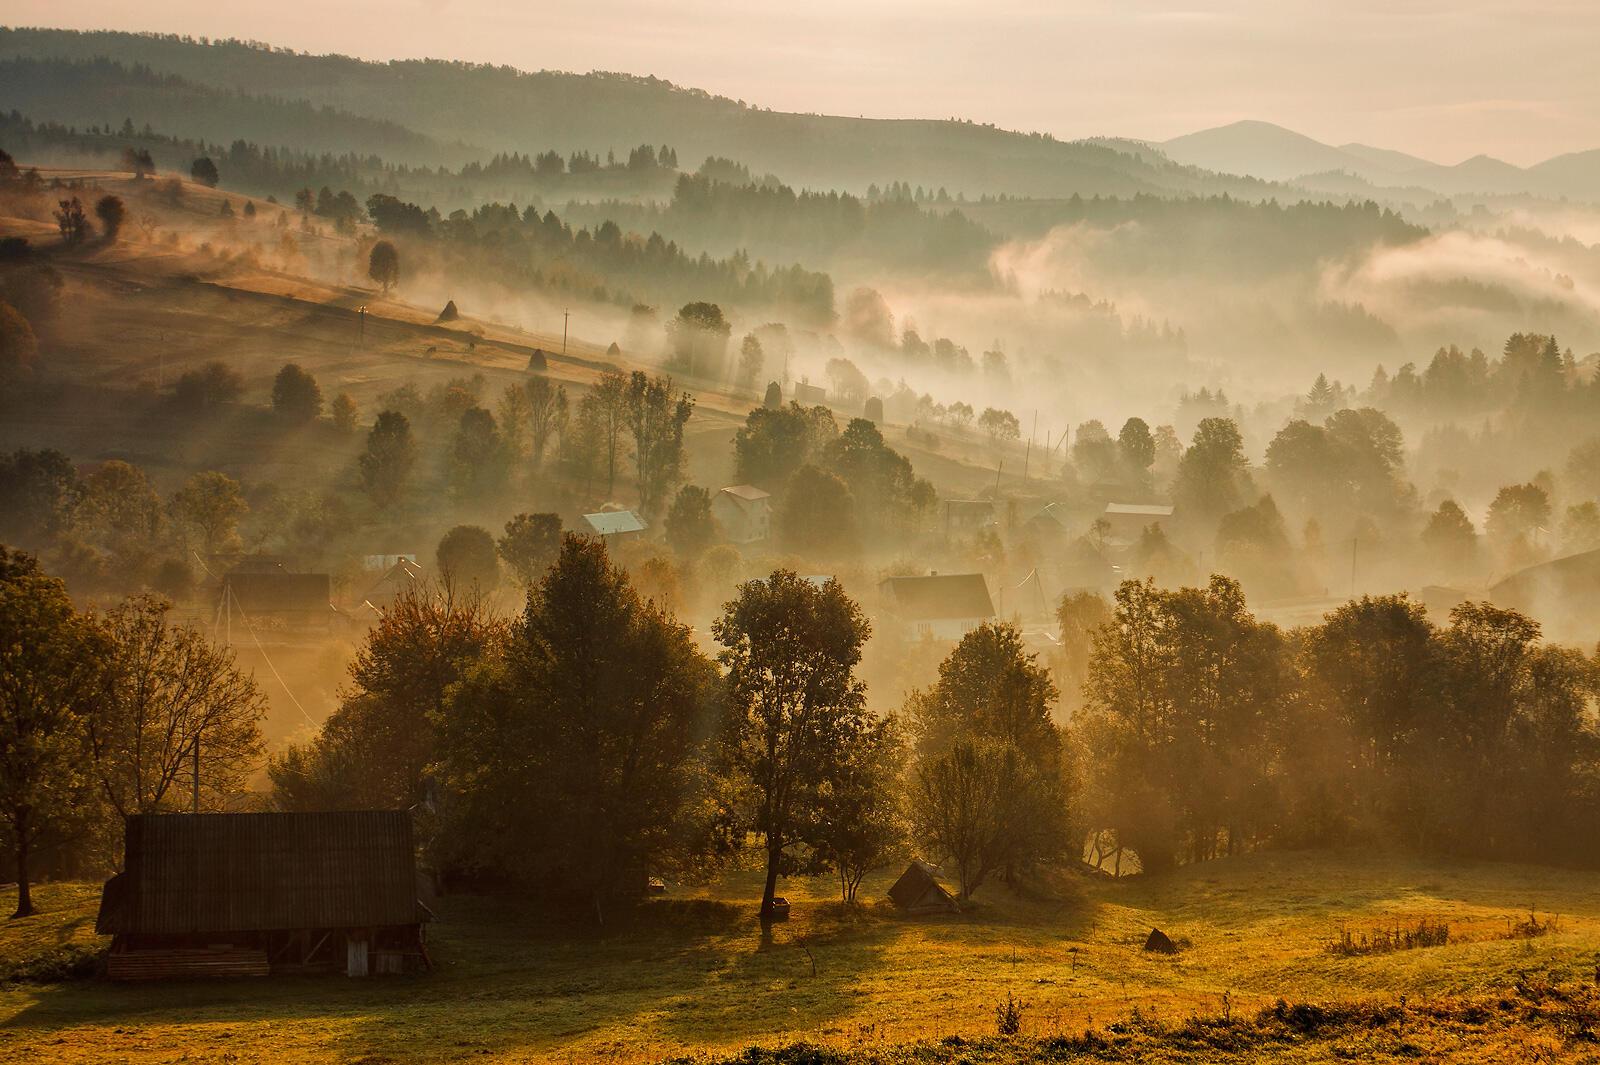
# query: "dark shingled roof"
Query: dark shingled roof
{"points": [[940, 597], [263, 872]]}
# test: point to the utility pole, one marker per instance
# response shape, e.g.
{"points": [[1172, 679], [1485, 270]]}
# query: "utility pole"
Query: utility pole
{"points": [[564, 316], [1353, 543], [361, 335], [1028, 454], [197, 772]]}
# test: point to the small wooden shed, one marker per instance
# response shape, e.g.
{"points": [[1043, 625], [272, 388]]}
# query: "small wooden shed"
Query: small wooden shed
{"points": [[918, 891], [249, 894]]}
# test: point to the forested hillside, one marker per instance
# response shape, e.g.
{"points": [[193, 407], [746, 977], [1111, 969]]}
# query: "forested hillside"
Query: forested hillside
{"points": [[502, 109], [110, 93]]}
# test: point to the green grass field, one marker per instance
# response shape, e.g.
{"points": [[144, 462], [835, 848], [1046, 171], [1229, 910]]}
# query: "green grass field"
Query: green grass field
{"points": [[690, 976]]}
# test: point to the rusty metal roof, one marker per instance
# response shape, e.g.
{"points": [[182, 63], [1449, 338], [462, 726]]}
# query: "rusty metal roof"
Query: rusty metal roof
{"points": [[263, 871]]}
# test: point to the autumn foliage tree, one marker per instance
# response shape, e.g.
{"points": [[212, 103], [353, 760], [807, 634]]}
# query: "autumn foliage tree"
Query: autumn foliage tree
{"points": [[49, 679], [795, 708], [177, 724]]}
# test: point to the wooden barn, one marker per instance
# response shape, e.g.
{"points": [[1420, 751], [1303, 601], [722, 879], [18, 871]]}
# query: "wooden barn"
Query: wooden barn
{"points": [[251, 894]]}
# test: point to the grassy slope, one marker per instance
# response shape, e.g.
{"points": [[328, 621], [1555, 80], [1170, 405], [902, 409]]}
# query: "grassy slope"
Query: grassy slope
{"points": [[689, 975], [142, 313]]}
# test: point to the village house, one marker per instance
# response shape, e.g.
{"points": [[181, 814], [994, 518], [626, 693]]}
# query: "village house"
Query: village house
{"points": [[943, 607], [1126, 522], [743, 512], [276, 601], [964, 517]]}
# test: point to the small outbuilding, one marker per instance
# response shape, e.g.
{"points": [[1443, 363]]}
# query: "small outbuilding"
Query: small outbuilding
{"points": [[256, 893], [918, 891], [810, 395], [614, 527]]}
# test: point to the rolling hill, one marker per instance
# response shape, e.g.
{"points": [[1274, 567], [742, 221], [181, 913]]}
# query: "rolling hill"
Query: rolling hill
{"points": [[502, 109], [104, 93]]}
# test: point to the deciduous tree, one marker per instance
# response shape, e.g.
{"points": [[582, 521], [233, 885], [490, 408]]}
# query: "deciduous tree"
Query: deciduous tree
{"points": [[49, 678], [795, 707], [176, 722], [386, 463]]}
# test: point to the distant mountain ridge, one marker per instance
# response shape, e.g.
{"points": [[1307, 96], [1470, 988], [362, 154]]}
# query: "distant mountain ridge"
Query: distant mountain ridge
{"points": [[106, 93], [502, 109], [426, 112], [1274, 153]]}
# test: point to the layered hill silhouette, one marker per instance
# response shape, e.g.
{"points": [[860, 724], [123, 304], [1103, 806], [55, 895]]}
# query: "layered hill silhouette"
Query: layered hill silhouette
{"points": [[1273, 153], [501, 109], [432, 112]]}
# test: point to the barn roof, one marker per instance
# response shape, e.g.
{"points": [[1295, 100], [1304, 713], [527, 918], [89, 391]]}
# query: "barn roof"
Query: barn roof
{"points": [[267, 593], [1579, 573], [940, 597], [612, 522], [263, 872]]}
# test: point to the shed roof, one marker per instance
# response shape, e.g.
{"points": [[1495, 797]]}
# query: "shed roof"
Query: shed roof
{"points": [[612, 522], [940, 596], [263, 872]]}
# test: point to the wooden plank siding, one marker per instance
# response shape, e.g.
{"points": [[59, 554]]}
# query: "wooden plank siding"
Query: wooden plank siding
{"points": [[261, 872]]}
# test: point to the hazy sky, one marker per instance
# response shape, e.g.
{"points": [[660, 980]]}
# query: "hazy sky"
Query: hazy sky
{"points": [[1445, 79]]}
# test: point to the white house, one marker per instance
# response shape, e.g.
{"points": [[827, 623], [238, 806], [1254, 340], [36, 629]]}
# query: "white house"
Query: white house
{"points": [[940, 606], [743, 512]]}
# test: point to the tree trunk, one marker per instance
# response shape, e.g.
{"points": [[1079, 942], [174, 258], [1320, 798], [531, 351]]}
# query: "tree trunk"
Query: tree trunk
{"points": [[774, 854], [24, 895]]}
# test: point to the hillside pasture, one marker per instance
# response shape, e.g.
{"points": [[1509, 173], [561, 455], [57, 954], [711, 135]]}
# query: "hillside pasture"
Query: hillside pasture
{"points": [[690, 974]]}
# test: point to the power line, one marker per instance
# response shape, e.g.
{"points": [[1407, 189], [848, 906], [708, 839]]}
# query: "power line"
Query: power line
{"points": [[227, 607]]}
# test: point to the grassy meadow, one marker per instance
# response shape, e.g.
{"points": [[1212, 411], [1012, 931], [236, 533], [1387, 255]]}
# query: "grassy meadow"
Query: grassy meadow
{"points": [[689, 976]]}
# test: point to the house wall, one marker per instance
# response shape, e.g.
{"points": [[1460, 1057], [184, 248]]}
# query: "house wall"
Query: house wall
{"points": [[1131, 526], [943, 628], [742, 524]]}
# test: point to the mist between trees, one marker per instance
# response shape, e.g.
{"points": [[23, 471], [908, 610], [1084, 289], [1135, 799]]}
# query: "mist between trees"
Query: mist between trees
{"points": [[588, 743]]}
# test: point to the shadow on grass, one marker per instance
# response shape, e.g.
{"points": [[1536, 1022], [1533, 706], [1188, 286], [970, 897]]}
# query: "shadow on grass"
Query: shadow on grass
{"points": [[507, 977]]}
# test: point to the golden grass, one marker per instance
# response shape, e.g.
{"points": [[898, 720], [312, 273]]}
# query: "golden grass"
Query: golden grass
{"points": [[691, 975]]}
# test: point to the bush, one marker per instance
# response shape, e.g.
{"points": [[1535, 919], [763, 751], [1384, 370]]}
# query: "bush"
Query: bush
{"points": [[67, 961], [1008, 1015], [1425, 933]]}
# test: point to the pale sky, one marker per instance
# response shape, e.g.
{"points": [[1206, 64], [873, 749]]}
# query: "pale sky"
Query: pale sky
{"points": [[1445, 79]]}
